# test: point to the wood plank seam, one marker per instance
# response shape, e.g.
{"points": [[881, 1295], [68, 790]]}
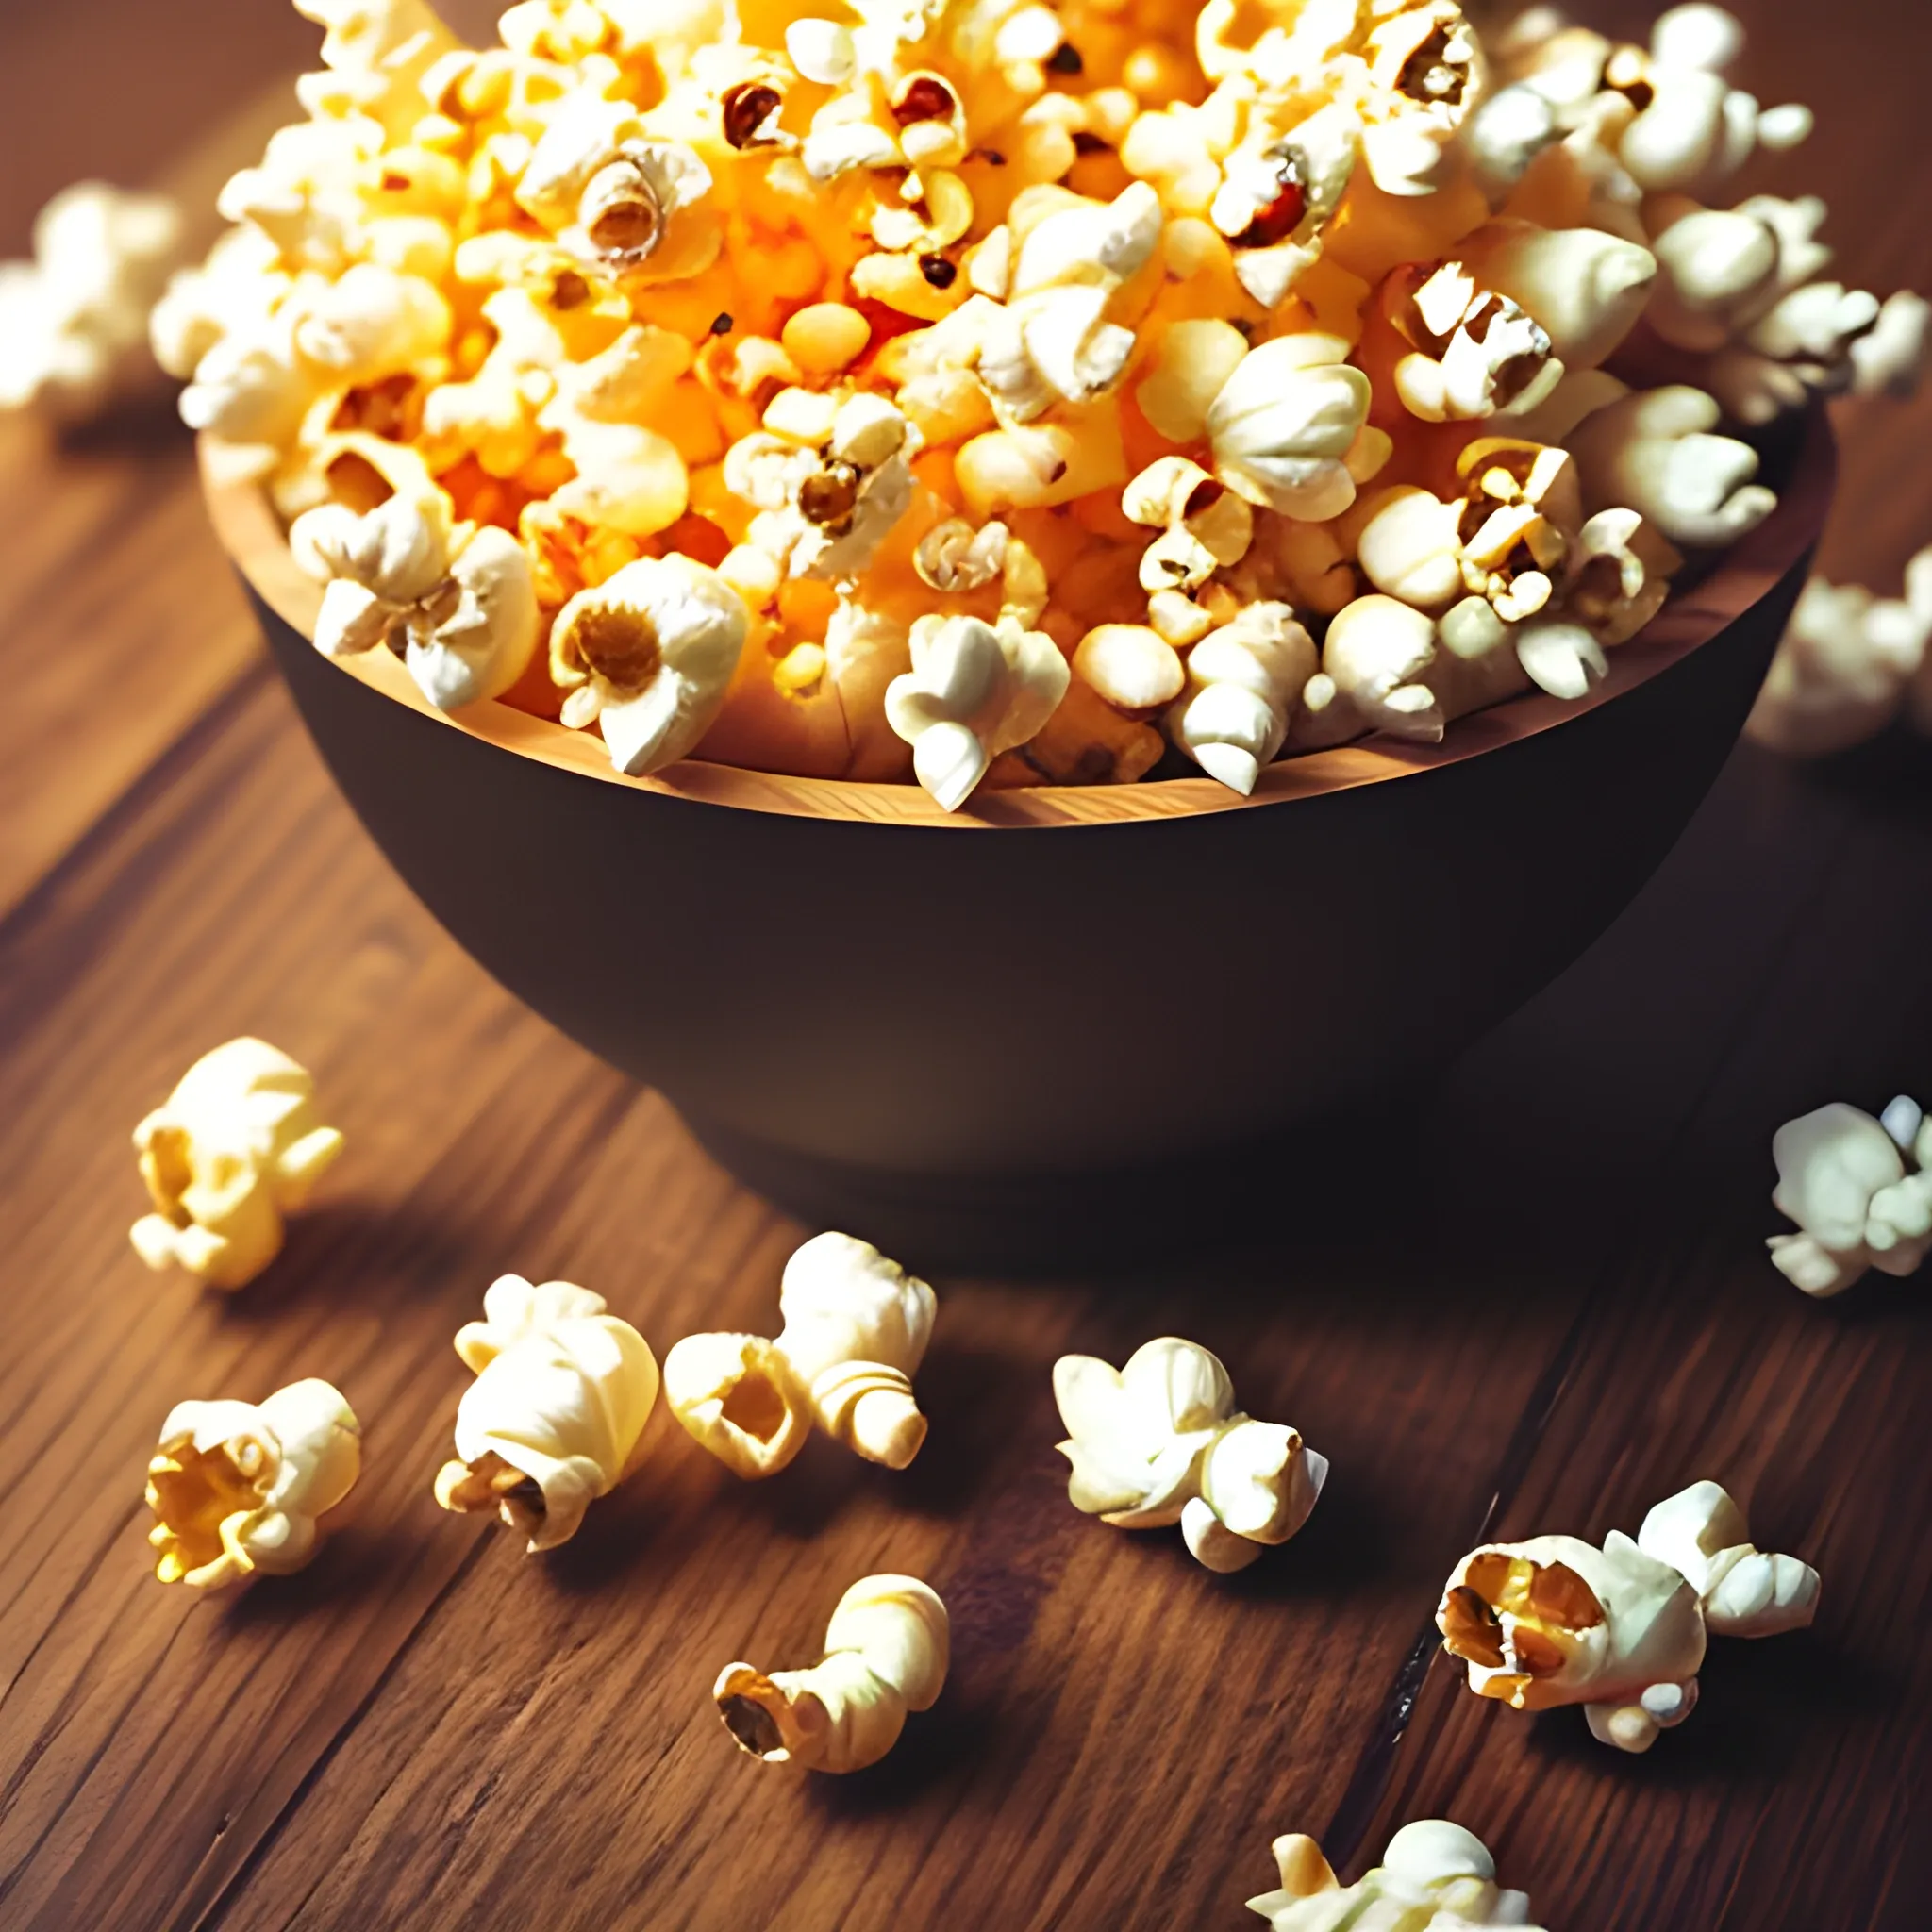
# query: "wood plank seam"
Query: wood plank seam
{"points": [[1369, 1780]]}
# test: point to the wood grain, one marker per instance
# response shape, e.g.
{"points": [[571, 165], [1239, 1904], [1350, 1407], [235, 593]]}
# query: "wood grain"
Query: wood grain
{"points": [[1538, 1300]]}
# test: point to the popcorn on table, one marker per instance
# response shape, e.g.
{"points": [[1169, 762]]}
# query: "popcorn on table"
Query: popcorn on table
{"points": [[1160, 1442], [74, 321], [887, 1648], [236, 1148], [555, 1416], [1432, 1874], [1860, 1192], [856, 1328], [1029, 399], [237, 1487], [1620, 1629]]}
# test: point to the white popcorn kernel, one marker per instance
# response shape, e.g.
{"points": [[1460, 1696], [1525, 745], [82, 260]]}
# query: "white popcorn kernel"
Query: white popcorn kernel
{"points": [[1091, 242], [1890, 357], [371, 325], [74, 321], [1378, 653], [1702, 1533], [555, 1415], [1284, 423], [1842, 1179], [1564, 659], [1585, 288], [1477, 354], [1193, 365], [1243, 682], [953, 556], [649, 655], [237, 1146], [855, 1329], [1435, 1876], [1617, 574], [1133, 668], [1510, 128], [460, 608], [1698, 35], [1160, 1442], [381, 49], [821, 51], [1408, 547], [237, 1487], [1713, 264], [1558, 1621], [1653, 451], [975, 691], [886, 1653]]}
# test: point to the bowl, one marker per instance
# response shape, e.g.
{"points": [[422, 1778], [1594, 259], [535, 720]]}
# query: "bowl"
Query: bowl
{"points": [[1055, 1017]]}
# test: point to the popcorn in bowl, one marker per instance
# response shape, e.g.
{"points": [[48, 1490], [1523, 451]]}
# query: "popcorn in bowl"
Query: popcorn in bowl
{"points": [[1009, 393]]}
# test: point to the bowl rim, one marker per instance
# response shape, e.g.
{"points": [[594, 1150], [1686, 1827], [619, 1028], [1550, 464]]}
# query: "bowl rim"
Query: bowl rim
{"points": [[252, 534]]}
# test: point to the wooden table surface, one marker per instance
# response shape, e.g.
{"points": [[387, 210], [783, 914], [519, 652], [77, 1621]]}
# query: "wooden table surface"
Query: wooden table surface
{"points": [[1542, 1305]]}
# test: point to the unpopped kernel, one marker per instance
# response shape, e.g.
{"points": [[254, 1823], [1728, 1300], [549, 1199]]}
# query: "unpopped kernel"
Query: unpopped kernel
{"points": [[1067, 393]]}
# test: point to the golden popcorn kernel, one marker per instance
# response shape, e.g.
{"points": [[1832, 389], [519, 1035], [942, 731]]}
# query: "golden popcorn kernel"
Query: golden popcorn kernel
{"points": [[825, 337], [192, 1493], [801, 669]]}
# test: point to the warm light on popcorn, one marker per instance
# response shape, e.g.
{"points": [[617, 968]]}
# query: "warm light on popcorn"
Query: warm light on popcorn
{"points": [[1620, 1629], [1434, 1874], [236, 1487], [1160, 1442], [886, 1649], [856, 1331], [1012, 393], [555, 1416], [238, 1146]]}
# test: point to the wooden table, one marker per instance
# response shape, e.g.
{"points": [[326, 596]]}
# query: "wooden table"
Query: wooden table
{"points": [[1543, 1305]]}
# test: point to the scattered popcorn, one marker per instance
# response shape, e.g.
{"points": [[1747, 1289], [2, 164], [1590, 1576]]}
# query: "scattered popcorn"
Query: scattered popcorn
{"points": [[855, 1330], [237, 1487], [1434, 1874], [1160, 1442], [236, 1148], [1846, 666], [929, 399], [1621, 1630], [1843, 1178], [74, 321], [1745, 1592], [555, 1416], [886, 1649]]}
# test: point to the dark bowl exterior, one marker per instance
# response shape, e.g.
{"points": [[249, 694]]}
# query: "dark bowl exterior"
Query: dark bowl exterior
{"points": [[944, 1011]]}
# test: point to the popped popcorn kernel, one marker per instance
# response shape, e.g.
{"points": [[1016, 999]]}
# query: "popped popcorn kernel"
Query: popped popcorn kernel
{"points": [[1011, 393]]}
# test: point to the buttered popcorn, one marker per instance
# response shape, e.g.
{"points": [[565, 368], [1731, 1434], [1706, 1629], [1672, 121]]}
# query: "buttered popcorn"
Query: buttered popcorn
{"points": [[1011, 393]]}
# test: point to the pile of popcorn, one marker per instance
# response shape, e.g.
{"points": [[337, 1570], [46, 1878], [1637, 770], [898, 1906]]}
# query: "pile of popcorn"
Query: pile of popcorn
{"points": [[994, 393]]}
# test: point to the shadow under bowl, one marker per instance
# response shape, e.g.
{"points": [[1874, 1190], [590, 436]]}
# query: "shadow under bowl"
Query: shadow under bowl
{"points": [[1068, 1024]]}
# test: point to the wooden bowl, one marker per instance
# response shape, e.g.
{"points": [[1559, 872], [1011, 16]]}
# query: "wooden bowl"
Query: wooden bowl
{"points": [[978, 1035]]}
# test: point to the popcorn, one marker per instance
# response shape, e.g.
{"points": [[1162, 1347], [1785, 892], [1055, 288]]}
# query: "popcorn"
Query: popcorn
{"points": [[909, 357], [237, 1487], [1702, 1533], [1160, 1441], [74, 321], [236, 1148], [1432, 1874], [1842, 1177], [1653, 452], [1845, 666], [855, 1330], [886, 1649], [458, 605], [1244, 680], [1286, 424], [1621, 1630], [555, 1415], [648, 655], [976, 689]]}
